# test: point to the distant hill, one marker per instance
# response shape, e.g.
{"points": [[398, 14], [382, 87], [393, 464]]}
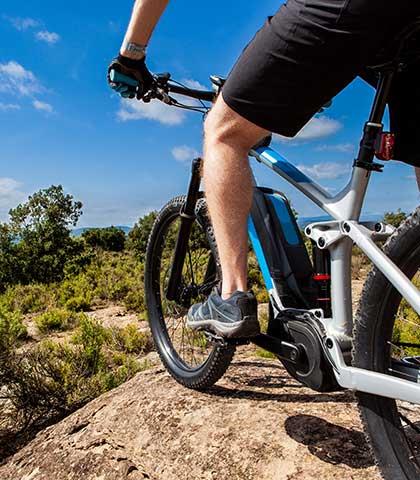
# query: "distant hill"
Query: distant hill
{"points": [[78, 231], [302, 222]]}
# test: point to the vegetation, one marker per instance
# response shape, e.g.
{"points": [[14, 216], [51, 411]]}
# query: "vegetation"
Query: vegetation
{"points": [[54, 379], [56, 319], [395, 218], [111, 239], [139, 235], [36, 244], [50, 279]]}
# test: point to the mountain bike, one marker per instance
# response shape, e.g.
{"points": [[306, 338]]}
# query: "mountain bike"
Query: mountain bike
{"points": [[310, 327]]}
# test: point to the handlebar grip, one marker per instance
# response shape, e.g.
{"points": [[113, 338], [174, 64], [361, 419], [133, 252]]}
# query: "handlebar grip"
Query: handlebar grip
{"points": [[117, 77]]}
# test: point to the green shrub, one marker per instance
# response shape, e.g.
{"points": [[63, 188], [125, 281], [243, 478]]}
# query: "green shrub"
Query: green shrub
{"points": [[111, 239], [56, 319], [139, 235], [29, 298], [91, 336], [395, 218], [131, 340], [12, 329], [407, 328], [53, 379], [78, 304], [76, 293], [134, 301]]}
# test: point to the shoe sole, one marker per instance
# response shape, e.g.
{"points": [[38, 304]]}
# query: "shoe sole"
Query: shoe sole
{"points": [[246, 328]]}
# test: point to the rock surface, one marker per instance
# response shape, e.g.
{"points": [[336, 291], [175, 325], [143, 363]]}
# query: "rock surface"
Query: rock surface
{"points": [[256, 424]]}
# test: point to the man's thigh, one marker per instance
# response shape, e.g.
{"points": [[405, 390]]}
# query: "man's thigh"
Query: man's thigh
{"points": [[305, 55]]}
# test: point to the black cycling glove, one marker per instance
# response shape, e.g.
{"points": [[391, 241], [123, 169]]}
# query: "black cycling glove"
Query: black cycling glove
{"points": [[134, 69]]}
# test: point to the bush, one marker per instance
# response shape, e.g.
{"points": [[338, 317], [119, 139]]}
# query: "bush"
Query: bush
{"points": [[29, 298], [121, 279], [111, 239], [12, 329], [131, 340], [56, 319], [54, 379], [78, 304], [395, 218], [139, 235], [76, 293]]}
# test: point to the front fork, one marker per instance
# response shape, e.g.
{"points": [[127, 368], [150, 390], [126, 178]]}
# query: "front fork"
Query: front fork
{"points": [[187, 215]]}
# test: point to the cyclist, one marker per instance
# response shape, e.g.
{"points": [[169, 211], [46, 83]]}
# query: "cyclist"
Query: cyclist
{"points": [[302, 57]]}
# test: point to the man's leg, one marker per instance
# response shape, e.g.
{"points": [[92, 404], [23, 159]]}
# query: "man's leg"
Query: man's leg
{"points": [[228, 182], [417, 170], [229, 189]]}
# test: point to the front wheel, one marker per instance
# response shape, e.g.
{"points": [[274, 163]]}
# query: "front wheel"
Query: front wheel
{"points": [[189, 356], [387, 340]]}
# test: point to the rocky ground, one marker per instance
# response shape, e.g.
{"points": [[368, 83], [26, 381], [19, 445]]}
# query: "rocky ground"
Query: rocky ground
{"points": [[255, 424]]}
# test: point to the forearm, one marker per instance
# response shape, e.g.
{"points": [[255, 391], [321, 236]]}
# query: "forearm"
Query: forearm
{"points": [[144, 19]]}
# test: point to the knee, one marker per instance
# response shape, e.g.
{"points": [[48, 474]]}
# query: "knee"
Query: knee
{"points": [[224, 127]]}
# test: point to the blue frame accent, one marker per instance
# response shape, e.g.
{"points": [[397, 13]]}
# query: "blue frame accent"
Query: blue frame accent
{"points": [[287, 224], [259, 252], [277, 162]]}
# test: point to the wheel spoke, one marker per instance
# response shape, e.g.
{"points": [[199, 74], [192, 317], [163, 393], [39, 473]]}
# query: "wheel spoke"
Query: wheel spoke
{"points": [[195, 286]]}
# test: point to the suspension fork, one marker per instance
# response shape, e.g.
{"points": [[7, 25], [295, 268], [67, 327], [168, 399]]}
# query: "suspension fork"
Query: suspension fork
{"points": [[187, 215]]}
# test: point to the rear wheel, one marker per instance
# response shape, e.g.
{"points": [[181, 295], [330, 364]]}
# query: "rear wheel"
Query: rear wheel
{"points": [[387, 340], [191, 357]]}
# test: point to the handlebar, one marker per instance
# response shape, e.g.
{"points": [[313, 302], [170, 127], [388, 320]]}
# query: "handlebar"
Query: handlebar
{"points": [[206, 96], [163, 85]]}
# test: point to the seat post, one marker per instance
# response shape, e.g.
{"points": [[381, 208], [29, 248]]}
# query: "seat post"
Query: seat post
{"points": [[373, 127], [382, 96]]}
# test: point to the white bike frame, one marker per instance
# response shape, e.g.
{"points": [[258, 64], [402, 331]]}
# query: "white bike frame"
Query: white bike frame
{"points": [[338, 236]]}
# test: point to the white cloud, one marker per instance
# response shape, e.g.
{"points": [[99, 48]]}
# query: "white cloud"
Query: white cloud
{"points": [[16, 80], [21, 23], [48, 37], [43, 106], [184, 153], [5, 107], [340, 147], [325, 171], [189, 82], [155, 110], [317, 127], [10, 195]]}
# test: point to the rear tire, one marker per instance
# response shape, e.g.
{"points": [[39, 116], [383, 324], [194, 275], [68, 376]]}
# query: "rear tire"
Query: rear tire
{"points": [[216, 358], [396, 448]]}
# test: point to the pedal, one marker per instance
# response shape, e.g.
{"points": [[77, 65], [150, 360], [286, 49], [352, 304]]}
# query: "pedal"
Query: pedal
{"points": [[225, 342], [213, 338]]}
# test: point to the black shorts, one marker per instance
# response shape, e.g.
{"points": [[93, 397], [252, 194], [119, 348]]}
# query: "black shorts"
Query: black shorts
{"points": [[306, 54]]}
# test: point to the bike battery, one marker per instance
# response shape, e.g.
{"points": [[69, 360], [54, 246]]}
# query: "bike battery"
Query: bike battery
{"points": [[282, 249]]}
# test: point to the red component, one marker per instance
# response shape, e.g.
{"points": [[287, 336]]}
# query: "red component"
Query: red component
{"points": [[386, 146], [319, 277]]}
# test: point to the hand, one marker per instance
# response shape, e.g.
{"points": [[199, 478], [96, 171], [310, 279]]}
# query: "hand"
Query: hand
{"points": [[134, 69]]}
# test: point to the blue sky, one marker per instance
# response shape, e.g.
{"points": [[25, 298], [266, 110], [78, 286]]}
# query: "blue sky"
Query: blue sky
{"points": [[60, 123]]}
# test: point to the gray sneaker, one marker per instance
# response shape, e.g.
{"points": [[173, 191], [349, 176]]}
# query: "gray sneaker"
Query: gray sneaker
{"points": [[235, 317]]}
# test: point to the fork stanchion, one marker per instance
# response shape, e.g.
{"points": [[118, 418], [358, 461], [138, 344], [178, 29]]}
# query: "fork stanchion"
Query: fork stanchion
{"points": [[187, 215]]}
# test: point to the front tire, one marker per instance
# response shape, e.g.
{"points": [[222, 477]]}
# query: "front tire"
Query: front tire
{"points": [[381, 327], [188, 356]]}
